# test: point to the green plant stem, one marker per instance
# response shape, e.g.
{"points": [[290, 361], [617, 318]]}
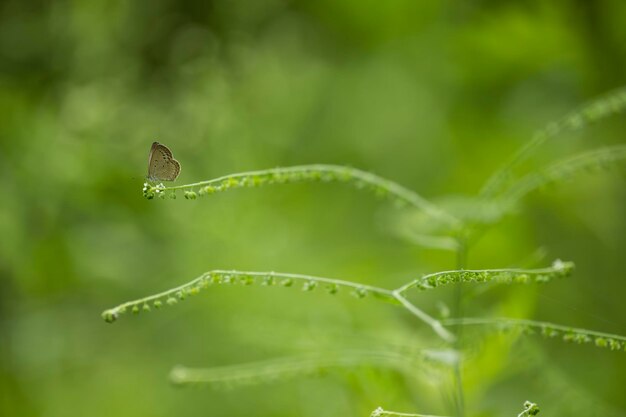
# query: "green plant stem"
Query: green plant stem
{"points": [[219, 276], [432, 322], [609, 104], [530, 409], [172, 296], [514, 192], [284, 368], [379, 412], [461, 261], [573, 334], [321, 172], [561, 170], [501, 275]]}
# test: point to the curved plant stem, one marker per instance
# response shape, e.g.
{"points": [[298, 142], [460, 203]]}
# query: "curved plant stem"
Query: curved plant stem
{"points": [[612, 103], [318, 172], [503, 275], [309, 283], [564, 169], [566, 333], [513, 192], [284, 368], [379, 412], [530, 409]]}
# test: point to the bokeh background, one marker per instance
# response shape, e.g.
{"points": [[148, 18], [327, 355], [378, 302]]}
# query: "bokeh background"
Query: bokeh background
{"points": [[432, 94]]}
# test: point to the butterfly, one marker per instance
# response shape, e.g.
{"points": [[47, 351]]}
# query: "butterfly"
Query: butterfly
{"points": [[161, 164]]}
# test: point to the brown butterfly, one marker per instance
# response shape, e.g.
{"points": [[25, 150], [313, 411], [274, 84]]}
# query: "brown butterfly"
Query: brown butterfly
{"points": [[161, 164]]}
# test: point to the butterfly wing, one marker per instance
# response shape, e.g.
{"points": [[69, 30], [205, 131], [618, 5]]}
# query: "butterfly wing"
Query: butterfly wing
{"points": [[161, 164]]}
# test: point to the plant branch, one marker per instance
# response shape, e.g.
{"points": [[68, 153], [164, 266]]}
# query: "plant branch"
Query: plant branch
{"points": [[309, 282], [310, 173], [379, 412], [612, 103], [567, 334], [597, 158], [504, 276], [285, 368], [432, 322]]}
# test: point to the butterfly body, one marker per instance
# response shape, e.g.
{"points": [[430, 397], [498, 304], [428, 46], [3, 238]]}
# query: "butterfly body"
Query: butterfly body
{"points": [[161, 164]]}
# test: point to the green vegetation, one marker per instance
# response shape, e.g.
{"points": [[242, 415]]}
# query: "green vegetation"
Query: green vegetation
{"points": [[386, 229], [460, 231]]}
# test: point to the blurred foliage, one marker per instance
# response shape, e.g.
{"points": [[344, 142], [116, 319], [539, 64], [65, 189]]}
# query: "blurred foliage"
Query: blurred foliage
{"points": [[435, 95]]}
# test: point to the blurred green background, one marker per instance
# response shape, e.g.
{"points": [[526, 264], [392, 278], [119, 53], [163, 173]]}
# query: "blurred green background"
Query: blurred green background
{"points": [[432, 94]]}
